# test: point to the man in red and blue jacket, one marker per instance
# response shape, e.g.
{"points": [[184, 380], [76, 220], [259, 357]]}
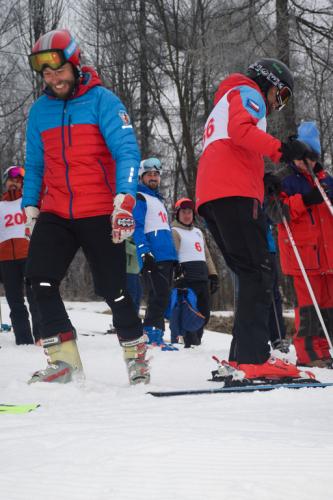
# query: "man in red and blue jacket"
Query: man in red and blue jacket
{"points": [[230, 193], [82, 162]]}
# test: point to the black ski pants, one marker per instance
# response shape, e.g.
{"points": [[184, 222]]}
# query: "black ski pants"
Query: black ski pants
{"points": [[239, 228], [13, 280], [158, 285], [276, 321], [53, 245]]}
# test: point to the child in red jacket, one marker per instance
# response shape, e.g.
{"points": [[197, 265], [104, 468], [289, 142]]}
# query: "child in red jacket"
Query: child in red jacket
{"points": [[13, 253], [311, 224]]}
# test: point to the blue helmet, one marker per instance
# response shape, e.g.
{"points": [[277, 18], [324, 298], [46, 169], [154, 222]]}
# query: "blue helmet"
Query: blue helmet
{"points": [[308, 133]]}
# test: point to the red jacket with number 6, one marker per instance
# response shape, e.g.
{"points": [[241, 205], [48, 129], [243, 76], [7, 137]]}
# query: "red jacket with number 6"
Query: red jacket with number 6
{"points": [[234, 143], [16, 248]]}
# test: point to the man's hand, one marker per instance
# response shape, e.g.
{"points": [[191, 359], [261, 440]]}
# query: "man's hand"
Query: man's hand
{"points": [[272, 184], [31, 214], [149, 262], [122, 220], [295, 150], [178, 276]]}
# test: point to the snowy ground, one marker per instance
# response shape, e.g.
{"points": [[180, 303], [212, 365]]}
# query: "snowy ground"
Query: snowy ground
{"points": [[109, 441]]}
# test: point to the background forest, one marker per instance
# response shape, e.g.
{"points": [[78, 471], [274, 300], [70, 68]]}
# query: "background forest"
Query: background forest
{"points": [[165, 59]]}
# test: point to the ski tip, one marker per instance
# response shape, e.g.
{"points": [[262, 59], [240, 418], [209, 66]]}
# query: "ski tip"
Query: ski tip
{"points": [[18, 409]]}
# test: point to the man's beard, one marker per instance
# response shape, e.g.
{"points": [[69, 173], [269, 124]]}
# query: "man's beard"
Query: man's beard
{"points": [[60, 94], [153, 185]]}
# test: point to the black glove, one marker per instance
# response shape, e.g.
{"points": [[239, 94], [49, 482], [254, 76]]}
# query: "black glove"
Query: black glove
{"points": [[149, 262], [272, 184], [294, 150], [178, 276], [314, 197], [178, 272], [213, 283], [318, 168]]}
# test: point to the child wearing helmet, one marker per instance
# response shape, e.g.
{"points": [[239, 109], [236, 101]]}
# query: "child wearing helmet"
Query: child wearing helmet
{"points": [[311, 225], [13, 255], [196, 269]]}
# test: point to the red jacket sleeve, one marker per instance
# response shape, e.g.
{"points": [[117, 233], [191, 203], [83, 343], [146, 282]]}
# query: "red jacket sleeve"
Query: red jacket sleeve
{"points": [[243, 130]]}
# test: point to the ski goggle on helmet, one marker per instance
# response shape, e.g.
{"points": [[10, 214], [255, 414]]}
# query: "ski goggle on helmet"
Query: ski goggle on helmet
{"points": [[282, 96], [184, 203], [149, 165], [12, 172], [53, 50], [269, 69]]}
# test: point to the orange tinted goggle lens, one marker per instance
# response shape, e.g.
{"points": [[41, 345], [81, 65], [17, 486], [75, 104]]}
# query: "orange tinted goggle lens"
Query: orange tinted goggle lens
{"points": [[284, 95], [52, 59]]}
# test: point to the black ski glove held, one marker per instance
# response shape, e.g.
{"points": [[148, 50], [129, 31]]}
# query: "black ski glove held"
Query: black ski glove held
{"points": [[318, 168], [149, 262], [294, 150], [272, 184], [314, 197]]}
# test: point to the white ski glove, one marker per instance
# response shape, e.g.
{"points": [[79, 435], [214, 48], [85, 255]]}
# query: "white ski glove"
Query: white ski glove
{"points": [[122, 220], [31, 214]]}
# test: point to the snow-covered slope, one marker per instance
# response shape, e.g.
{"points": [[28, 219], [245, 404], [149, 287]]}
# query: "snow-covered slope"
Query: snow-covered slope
{"points": [[109, 441]]}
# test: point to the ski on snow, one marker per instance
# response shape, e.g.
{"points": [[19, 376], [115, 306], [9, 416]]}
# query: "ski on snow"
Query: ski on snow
{"points": [[239, 388], [17, 409]]}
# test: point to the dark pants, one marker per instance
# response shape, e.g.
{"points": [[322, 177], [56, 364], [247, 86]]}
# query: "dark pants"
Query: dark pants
{"points": [[134, 288], [158, 284], [14, 284], [53, 246], [309, 340], [276, 322], [239, 229]]}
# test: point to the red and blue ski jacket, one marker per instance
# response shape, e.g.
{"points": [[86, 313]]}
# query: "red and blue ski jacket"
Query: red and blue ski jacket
{"points": [[234, 143], [80, 152], [311, 227]]}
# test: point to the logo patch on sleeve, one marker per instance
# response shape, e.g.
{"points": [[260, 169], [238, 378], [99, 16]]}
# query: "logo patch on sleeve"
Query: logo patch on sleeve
{"points": [[253, 105], [124, 118]]}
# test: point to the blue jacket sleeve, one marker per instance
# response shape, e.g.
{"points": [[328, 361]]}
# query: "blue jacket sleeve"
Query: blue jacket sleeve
{"points": [[117, 130], [34, 164], [139, 236]]}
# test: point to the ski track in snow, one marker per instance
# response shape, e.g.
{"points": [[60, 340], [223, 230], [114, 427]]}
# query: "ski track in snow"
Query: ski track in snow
{"points": [[104, 440]]}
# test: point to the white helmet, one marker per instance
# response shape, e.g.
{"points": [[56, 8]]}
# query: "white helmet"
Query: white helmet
{"points": [[148, 165]]}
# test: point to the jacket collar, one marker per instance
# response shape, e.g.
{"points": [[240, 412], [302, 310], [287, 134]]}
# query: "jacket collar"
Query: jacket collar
{"points": [[152, 192]]}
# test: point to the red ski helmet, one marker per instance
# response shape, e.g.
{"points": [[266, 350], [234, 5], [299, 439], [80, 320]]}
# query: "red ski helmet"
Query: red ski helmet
{"points": [[184, 203], [53, 50]]}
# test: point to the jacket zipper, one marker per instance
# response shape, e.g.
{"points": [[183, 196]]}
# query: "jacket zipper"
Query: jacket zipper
{"points": [[311, 216], [105, 177], [69, 130], [65, 161]]}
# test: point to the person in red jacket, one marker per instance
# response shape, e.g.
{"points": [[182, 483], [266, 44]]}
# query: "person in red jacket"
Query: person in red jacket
{"points": [[13, 254], [311, 224], [230, 193]]}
